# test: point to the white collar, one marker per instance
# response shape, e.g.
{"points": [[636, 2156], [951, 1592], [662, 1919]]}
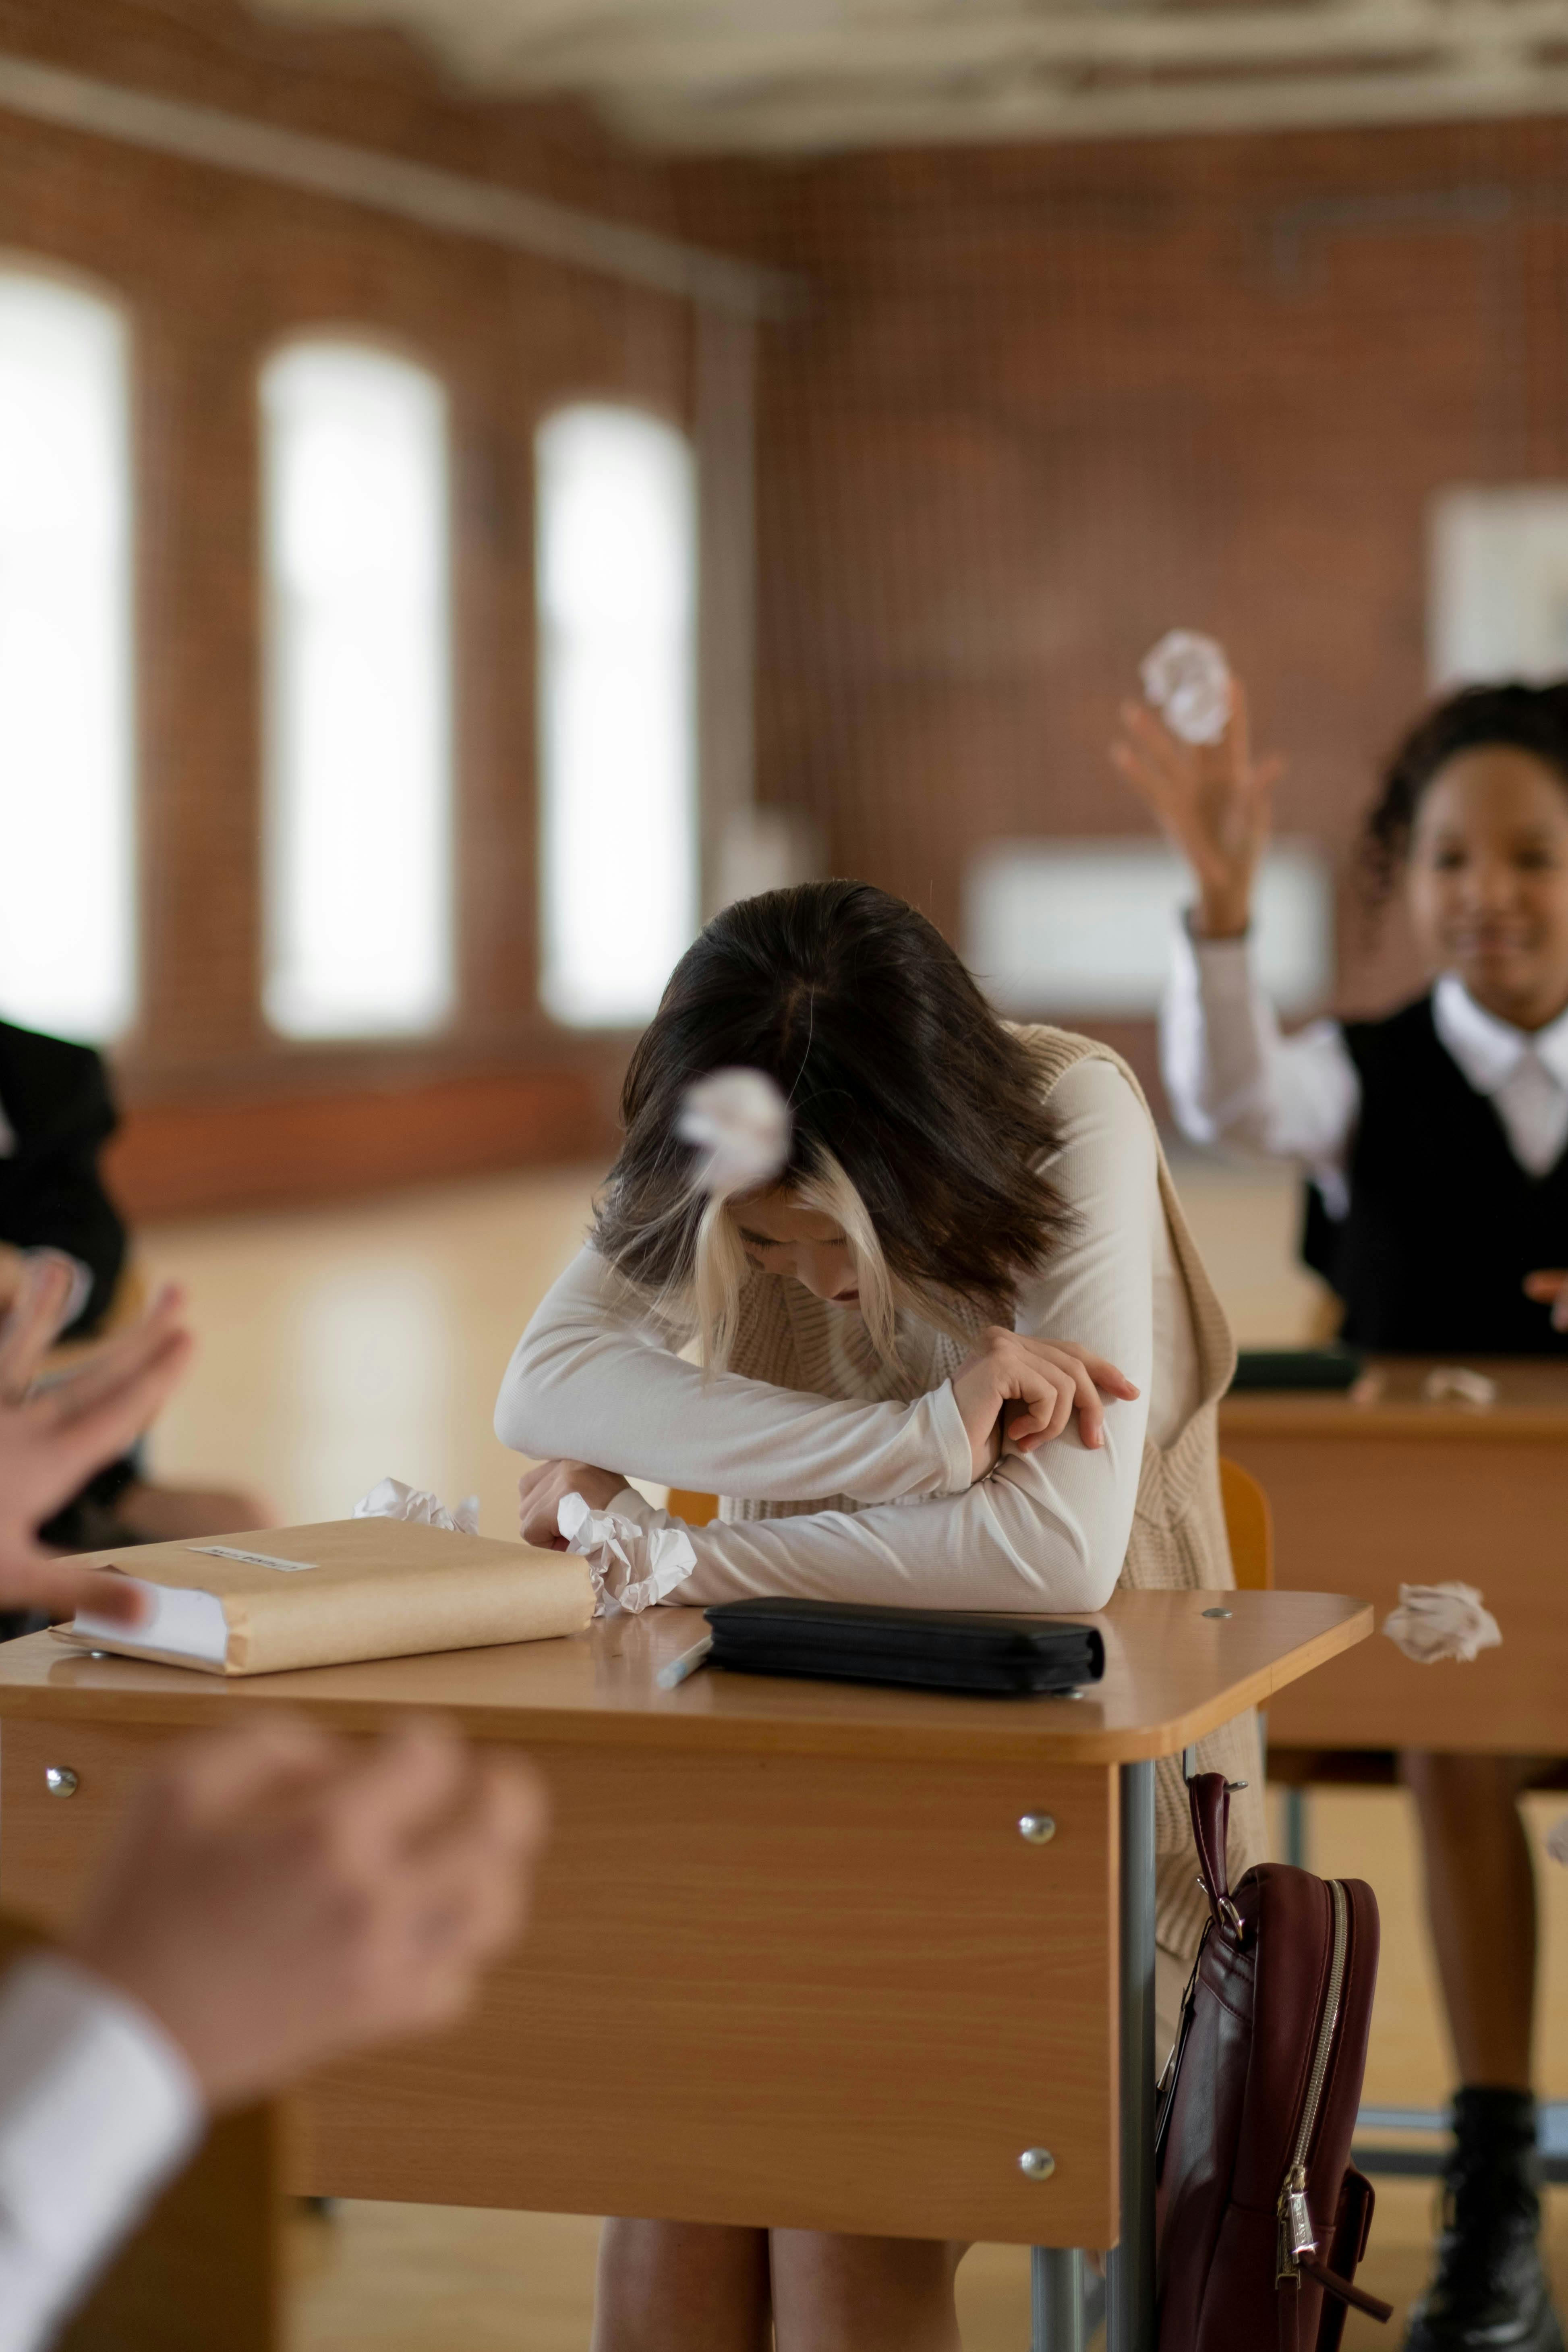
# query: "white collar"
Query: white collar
{"points": [[1488, 1050]]}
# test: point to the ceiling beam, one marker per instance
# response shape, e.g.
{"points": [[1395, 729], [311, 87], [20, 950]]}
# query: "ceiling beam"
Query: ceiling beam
{"points": [[447, 202], [1048, 106], [699, 65]]}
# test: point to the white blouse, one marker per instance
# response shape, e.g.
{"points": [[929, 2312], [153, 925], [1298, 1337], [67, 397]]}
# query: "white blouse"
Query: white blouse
{"points": [[1232, 1078], [594, 1378]]}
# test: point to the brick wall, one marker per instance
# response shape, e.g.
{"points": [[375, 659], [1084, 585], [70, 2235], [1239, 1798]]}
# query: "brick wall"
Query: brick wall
{"points": [[1050, 402], [1043, 403]]}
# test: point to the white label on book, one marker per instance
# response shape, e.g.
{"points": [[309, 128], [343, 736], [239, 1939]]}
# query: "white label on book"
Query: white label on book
{"points": [[253, 1558], [189, 1623]]}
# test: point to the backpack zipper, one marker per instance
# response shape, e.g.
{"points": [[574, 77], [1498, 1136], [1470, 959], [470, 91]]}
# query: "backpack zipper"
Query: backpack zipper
{"points": [[1295, 2233]]}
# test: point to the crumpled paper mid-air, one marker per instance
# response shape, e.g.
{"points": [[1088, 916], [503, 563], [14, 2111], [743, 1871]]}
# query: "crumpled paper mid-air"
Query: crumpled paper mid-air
{"points": [[739, 1122], [1187, 680], [1441, 1620], [1557, 1838], [393, 1500], [633, 1568]]}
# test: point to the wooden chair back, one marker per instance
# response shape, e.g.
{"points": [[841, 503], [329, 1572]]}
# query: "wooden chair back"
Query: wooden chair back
{"points": [[694, 1508], [1250, 1525]]}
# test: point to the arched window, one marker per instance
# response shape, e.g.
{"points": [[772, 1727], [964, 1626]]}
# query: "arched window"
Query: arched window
{"points": [[616, 561], [359, 924], [66, 726]]}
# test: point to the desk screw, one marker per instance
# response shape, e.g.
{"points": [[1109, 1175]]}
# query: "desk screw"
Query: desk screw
{"points": [[1037, 2163], [61, 1780], [1216, 1613], [1038, 1828]]}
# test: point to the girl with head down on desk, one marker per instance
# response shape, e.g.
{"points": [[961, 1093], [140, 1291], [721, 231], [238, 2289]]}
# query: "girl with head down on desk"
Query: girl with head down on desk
{"points": [[1437, 1206], [952, 1333]]}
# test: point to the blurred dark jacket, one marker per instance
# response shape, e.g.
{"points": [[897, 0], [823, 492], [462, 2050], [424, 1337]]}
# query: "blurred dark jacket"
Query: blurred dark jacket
{"points": [[57, 1106]]}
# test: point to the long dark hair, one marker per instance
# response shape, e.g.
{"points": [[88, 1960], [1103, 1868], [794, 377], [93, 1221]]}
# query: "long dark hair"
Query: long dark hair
{"points": [[898, 1075], [1527, 717]]}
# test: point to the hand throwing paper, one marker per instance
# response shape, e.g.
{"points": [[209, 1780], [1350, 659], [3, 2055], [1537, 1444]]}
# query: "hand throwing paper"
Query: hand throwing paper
{"points": [[633, 1568], [1187, 680], [393, 1500], [739, 1120], [1441, 1620]]}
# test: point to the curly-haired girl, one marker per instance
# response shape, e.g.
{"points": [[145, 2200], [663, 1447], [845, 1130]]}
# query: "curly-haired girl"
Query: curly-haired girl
{"points": [[1437, 1210]]}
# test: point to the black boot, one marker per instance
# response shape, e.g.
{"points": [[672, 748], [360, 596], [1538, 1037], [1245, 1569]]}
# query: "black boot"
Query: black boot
{"points": [[1490, 2293]]}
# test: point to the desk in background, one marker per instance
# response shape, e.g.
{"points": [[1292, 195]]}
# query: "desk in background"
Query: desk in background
{"points": [[803, 1954], [1367, 1497]]}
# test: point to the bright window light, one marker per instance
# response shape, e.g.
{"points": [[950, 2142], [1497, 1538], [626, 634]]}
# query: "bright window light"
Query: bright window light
{"points": [[1084, 926], [66, 728], [616, 585], [1498, 586], [358, 694]]}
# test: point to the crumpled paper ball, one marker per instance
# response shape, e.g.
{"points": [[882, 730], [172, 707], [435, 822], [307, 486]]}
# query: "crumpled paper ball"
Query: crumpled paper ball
{"points": [[1187, 680], [1441, 1620], [393, 1500], [1457, 1384], [740, 1123], [633, 1568], [1557, 1838]]}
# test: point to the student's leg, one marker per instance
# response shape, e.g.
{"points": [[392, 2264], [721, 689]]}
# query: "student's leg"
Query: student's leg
{"points": [[1481, 1902], [1490, 2288], [864, 2294], [679, 2286]]}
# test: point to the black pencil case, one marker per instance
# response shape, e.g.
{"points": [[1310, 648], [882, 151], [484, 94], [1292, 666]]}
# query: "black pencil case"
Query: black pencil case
{"points": [[919, 1649], [1333, 1367]]}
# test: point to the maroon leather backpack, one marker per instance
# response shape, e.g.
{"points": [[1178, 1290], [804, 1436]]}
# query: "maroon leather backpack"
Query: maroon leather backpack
{"points": [[1262, 2217]]}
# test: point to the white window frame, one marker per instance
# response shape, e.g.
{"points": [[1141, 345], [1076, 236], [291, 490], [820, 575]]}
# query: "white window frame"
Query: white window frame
{"points": [[618, 889], [382, 865], [69, 882]]}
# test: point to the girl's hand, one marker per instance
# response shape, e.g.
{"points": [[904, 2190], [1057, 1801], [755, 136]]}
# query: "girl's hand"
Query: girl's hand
{"points": [[1047, 1379], [1212, 802], [1550, 1288], [540, 1492]]}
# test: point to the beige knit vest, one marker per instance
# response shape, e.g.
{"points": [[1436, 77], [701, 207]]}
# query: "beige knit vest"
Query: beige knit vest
{"points": [[1178, 1540]]}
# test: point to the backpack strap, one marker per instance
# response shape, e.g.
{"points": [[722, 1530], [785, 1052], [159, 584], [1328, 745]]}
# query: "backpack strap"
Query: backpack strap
{"points": [[1209, 1796]]}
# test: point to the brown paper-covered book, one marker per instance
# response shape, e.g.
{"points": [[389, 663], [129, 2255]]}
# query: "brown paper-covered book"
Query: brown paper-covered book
{"points": [[263, 1604]]}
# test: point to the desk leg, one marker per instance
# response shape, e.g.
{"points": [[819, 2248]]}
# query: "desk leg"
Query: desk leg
{"points": [[1057, 2299], [1130, 2318]]}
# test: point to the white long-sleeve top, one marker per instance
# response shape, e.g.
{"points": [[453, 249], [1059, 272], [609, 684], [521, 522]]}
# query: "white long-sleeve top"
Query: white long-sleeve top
{"points": [[1232, 1078], [594, 1379], [98, 2108]]}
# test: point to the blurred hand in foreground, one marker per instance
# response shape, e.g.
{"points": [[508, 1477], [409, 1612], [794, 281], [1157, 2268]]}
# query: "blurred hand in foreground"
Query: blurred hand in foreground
{"points": [[276, 1897], [1550, 1288], [54, 1437]]}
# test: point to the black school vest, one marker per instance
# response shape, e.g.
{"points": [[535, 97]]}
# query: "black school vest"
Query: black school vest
{"points": [[1444, 1223]]}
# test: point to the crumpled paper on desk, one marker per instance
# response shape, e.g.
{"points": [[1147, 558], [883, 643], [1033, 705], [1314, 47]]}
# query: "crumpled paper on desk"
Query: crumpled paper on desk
{"points": [[1441, 1620], [633, 1568], [1187, 680], [393, 1500], [1455, 1383]]}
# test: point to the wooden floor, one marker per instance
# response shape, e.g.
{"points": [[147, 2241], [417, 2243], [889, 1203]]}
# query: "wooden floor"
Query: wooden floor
{"points": [[348, 1343]]}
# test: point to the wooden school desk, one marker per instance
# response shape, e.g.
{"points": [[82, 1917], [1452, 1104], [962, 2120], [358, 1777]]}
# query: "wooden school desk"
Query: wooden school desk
{"points": [[1367, 1497], [812, 1954]]}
